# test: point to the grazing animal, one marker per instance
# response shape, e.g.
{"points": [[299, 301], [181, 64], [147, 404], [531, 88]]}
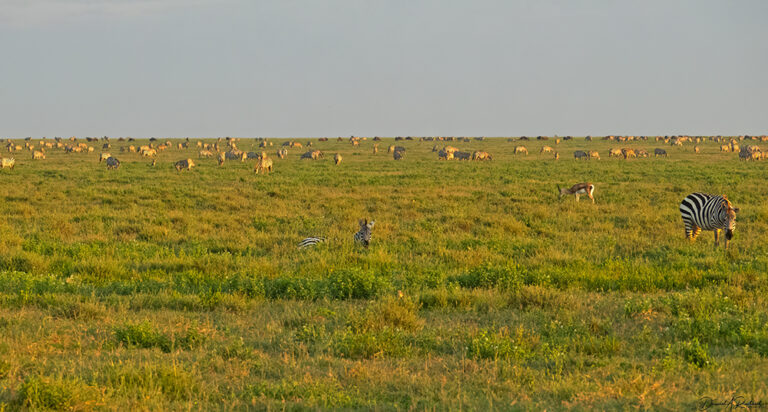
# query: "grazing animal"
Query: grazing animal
{"points": [[450, 149], [593, 154], [696, 149], [7, 162], [521, 149], [311, 241], [701, 211], [281, 153], [398, 155], [725, 148], [222, 157], [313, 155], [545, 149], [104, 156], [642, 153], [462, 155], [578, 190], [375, 148], [112, 163], [580, 154], [337, 159], [204, 153], [557, 156], [264, 165], [363, 236], [37, 155], [659, 152], [184, 164], [481, 156], [444, 155], [628, 153]]}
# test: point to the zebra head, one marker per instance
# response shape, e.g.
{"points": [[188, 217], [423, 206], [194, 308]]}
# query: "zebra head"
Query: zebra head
{"points": [[363, 236], [730, 215]]}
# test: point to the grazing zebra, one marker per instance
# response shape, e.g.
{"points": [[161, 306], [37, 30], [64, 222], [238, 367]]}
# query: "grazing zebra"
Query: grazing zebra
{"points": [[708, 212], [310, 241], [363, 236]]}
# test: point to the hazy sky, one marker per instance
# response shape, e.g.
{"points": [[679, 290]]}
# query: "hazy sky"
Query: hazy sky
{"points": [[385, 67]]}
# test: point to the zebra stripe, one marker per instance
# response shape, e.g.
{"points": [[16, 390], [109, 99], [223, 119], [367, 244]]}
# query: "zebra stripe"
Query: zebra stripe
{"points": [[310, 241], [701, 211]]}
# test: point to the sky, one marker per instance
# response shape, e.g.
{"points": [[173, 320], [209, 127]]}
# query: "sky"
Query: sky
{"points": [[288, 68]]}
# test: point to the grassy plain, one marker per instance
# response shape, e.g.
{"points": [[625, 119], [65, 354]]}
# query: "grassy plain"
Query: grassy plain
{"points": [[146, 288]]}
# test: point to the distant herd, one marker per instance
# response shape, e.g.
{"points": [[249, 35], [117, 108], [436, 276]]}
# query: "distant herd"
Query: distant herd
{"points": [[226, 149], [699, 211]]}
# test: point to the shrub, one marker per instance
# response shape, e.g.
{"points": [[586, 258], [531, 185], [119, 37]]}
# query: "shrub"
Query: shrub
{"points": [[355, 284], [695, 353], [142, 335], [58, 394]]}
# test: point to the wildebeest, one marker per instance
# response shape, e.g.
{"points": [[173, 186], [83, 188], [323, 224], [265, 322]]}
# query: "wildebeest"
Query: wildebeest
{"points": [[112, 163], [281, 153], [313, 155], [398, 154], [659, 152], [337, 158], [462, 155], [444, 155], [393, 148], [580, 154], [184, 164]]}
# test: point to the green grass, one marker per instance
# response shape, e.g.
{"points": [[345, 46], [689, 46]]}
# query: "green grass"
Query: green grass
{"points": [[154, 289]]}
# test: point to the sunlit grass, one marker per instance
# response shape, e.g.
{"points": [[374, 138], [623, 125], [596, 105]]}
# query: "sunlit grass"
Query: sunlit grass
{"points": [[151, 288]]}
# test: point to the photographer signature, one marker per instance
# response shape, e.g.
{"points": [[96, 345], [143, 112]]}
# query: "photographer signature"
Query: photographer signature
{"points": [[735, 402]]}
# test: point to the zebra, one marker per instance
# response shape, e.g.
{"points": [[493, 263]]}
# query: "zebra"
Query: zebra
{"points": [[363, 236], [708, 212], [311, 241]]}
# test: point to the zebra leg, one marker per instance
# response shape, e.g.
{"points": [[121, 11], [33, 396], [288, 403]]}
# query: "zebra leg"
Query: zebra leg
{"points": [[592, 197], [577, 197], [717, 237]]}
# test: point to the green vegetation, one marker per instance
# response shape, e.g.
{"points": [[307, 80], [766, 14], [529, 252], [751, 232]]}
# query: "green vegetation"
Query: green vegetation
{"points": [[148, 288]]}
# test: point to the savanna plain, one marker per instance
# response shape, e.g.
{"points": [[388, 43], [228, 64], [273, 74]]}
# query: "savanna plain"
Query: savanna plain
{"points": [[149, 288]]}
